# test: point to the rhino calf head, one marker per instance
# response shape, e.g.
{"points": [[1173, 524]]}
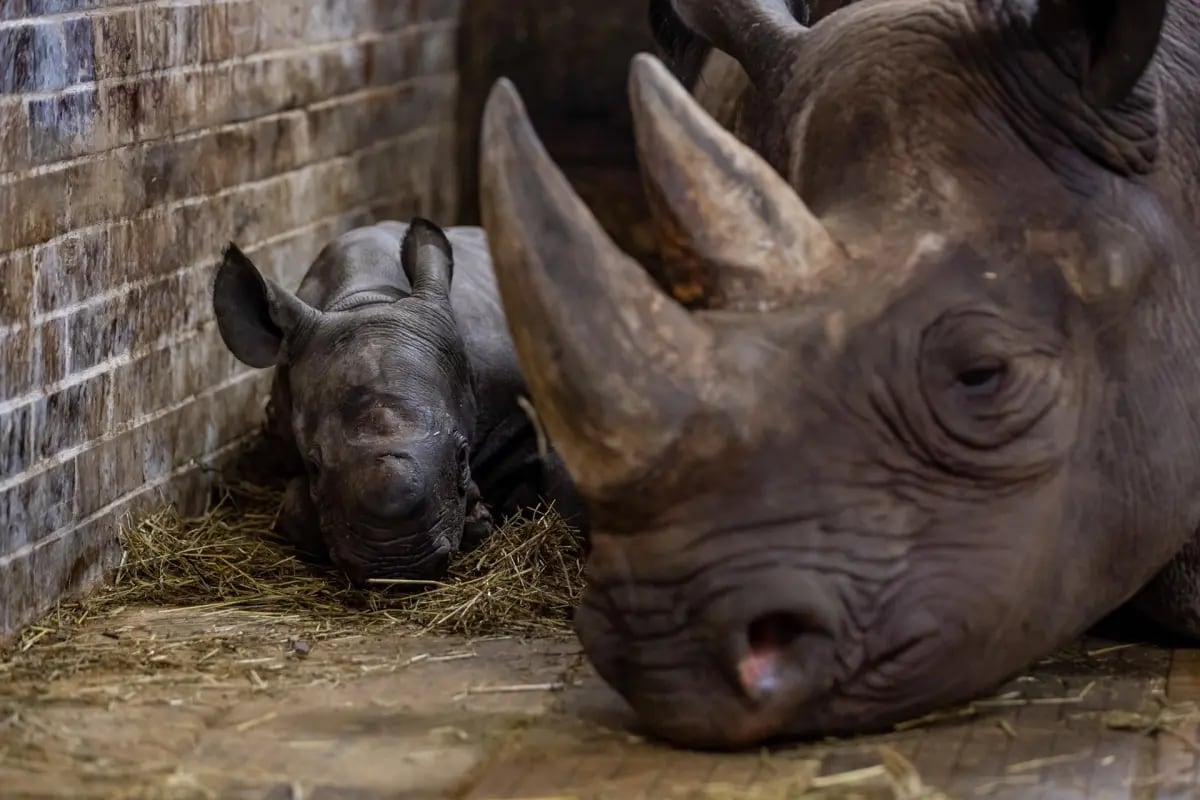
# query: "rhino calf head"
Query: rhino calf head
{"points": [[381, 401], [881, 468]]}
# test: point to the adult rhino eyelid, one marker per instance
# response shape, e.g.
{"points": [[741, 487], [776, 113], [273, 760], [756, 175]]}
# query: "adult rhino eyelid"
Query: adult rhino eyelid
{"points": [[984, 378]]}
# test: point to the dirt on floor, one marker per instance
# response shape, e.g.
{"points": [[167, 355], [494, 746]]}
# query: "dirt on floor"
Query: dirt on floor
{"points": [[220, 703]]}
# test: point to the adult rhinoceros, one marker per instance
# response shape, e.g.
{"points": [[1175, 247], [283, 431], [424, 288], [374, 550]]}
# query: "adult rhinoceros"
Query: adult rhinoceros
{"points": [[936, 407]]}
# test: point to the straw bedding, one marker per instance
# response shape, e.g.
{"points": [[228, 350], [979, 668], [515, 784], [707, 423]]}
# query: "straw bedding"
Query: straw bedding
{"points": [[524, 580]]}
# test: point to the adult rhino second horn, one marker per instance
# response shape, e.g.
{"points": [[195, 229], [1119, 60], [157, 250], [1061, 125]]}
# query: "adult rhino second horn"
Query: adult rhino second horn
{"points": [[747, 237], [614, 364]]}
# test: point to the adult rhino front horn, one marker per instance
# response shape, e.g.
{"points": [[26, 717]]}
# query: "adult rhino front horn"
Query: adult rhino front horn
{"points": [[937, 411]]}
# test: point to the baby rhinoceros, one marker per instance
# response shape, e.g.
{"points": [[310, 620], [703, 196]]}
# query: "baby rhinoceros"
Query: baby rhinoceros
{"points": [[398, 391]]}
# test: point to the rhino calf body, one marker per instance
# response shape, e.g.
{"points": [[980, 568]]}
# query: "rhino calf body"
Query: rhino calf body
{"points": [[397, 395], [933, 408]]}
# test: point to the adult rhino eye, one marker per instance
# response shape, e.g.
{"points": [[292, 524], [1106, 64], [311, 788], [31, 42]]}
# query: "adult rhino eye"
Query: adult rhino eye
{"points": [[983, 378]]}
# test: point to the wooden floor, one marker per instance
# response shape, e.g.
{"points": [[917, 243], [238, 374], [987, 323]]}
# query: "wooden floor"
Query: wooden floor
{"points": [[162, 703]]}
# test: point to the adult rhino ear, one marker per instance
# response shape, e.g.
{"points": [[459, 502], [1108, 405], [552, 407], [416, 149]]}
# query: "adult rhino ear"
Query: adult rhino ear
{"points": [[754, 32], [428, 259], [1118, 37], [256, 317]]}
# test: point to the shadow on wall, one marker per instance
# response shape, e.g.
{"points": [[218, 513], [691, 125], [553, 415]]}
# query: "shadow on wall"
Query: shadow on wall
{"points": [[570, 61]]}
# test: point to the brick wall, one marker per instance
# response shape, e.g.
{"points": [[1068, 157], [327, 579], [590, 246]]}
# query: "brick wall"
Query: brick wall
{"points": [[136, 138]]}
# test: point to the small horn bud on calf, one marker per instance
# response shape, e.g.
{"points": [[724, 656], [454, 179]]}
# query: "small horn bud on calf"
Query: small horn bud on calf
{"points": [[936, 410], [397, 392]]}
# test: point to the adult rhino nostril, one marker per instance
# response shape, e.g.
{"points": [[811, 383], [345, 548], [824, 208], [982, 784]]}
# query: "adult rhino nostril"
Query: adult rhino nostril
{"points": [[765, 666]]}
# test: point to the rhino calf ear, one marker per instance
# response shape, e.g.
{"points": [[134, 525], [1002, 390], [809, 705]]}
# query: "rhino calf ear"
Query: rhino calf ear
{"points": [[427, 258], [256, 317], [1122, 37]]}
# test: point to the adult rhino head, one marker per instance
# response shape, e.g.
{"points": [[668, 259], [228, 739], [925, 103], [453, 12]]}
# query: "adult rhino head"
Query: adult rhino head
{"points": [[381, 396], [949, 295]]}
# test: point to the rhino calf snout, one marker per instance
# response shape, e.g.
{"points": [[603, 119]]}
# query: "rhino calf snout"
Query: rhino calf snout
{"points": [[430, 562]]}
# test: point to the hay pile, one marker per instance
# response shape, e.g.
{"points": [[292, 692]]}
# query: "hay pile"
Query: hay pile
{"points": [[523, 580]]}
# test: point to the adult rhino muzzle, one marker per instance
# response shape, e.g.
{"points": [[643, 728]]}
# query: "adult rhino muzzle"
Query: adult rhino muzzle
{"points": [[879, 466]]}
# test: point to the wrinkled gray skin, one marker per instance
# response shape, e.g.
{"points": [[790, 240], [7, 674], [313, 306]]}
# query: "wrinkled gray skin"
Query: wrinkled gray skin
{"points": [[942, 411], [398, 406]]}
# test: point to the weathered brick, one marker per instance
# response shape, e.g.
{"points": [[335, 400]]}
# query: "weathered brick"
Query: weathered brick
{"points": [[33, 209], [13, 9], [294, 23], [116, 43], [79, 46], [41, 57], [14, 134], [214, 42], [170, 35], [163, 240], [184, 101], [227, 157], [149, 452], [65, 124], [32, 358], [291, 80], [286, 260], [16, 441], [37, 507], [42, 7], [282, 24], [346, 125], [71, 416], [77, 266], [121, 111], [59, 569], [106, 472], [31, 58], [149, 241], [242, 25], [128, 180], [99, 332], [227, 414], [170, 375], [16, 287]]}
